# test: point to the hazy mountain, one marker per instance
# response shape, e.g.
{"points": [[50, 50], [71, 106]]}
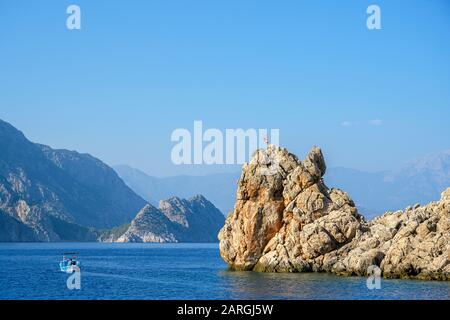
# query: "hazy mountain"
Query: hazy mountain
{"points": [[58, 194], [61, 195], [220, 188], [367, 189], [419, 181], [176, 220]]}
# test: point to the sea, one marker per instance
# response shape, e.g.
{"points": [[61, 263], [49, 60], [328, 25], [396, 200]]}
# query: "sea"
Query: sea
{"points": [[30, 271]]}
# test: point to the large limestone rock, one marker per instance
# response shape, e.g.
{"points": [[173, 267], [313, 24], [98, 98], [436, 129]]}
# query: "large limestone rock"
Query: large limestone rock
{"points": [[287, 220]]}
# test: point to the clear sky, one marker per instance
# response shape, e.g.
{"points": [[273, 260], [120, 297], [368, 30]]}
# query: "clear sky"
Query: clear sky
{"points": [[137, 70]]}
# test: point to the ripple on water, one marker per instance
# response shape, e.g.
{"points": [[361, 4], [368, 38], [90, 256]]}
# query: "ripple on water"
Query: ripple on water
{"points": [[176, 271]]}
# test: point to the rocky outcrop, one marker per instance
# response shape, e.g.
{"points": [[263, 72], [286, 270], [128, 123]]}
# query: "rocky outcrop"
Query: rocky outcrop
{"points": [[197, 219], [150, 225], [287, 220], [176, 220]]}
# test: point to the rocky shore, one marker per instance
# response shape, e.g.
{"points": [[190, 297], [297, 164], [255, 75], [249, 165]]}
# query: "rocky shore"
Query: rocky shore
{"points": [[287, 220]]}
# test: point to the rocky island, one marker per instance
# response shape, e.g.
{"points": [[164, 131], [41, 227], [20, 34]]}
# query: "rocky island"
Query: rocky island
{"points": [[195, 220], [287, 220]]}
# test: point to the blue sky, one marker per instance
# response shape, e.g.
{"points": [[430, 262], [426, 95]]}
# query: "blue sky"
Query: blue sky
{"points": [[137, 70]]}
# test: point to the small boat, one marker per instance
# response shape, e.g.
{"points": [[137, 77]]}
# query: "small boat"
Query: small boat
{"points": [[69, 263]]}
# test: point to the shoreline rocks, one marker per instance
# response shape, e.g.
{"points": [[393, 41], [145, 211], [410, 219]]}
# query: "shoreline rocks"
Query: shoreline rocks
{"points": [[287, 220]]}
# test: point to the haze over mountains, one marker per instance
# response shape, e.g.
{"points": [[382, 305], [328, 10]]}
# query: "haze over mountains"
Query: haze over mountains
{"points": [[219, 188], [61, 195], [419, 181]]}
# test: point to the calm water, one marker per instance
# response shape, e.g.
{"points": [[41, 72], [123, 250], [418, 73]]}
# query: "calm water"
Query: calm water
{"points": [[176, 271]]}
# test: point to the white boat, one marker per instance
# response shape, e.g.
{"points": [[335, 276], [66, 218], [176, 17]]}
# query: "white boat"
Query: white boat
{"points": [[69, 263]]}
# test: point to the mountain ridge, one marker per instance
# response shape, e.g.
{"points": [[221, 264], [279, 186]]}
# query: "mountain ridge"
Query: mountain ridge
{"points": [[51, 194], [373, 192], [218, 188], [175, 220], [43, 189]]}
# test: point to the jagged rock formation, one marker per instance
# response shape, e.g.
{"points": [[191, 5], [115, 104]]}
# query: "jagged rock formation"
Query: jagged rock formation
{"points": [[287, 220], [59, 195], [150, 225], [176, 220], [199, 219], [219, 188]]}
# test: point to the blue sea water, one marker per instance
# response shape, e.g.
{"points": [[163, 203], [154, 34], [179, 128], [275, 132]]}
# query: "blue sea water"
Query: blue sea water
{"points": [[175, 271]]}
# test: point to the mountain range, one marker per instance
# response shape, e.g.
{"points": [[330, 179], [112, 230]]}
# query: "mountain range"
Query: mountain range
{"points": [[62, 195], [175, 220], [219, 188], [419, 181]]}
